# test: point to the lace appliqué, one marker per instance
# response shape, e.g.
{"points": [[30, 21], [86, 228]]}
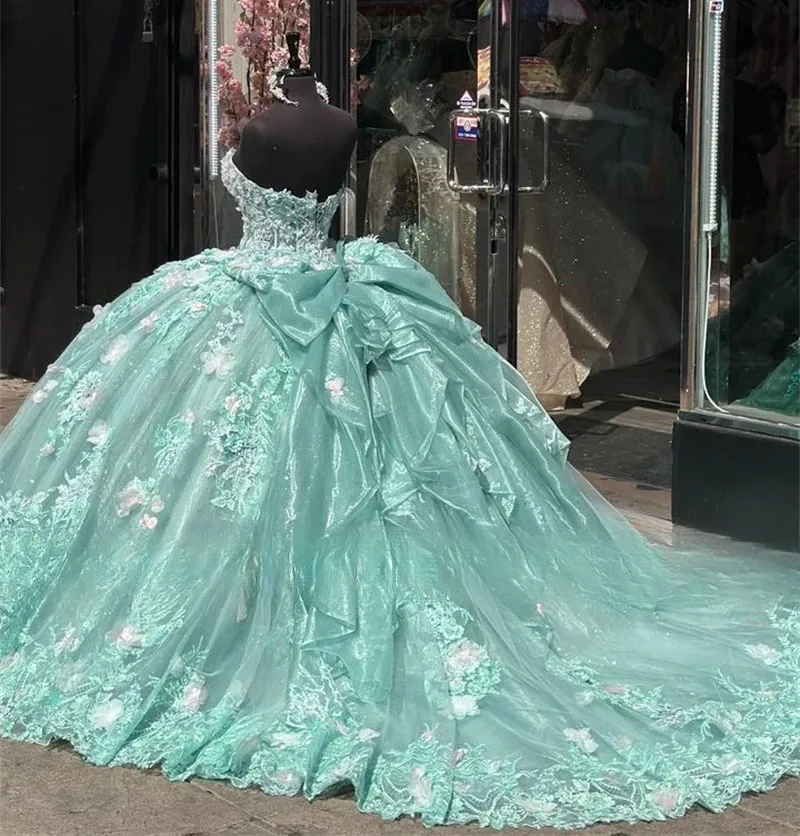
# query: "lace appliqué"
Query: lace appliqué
{"points": [[278, 222], [470, 674], [242, 439]]}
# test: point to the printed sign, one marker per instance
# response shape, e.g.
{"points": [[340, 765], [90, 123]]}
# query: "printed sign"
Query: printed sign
{"points": [[466, 102], [467, 128], [717, 6]]}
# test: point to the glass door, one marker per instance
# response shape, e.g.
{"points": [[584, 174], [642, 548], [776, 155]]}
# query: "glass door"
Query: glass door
{"points": [[746, 276], [433, 160], [596, 87], [530, 154]]}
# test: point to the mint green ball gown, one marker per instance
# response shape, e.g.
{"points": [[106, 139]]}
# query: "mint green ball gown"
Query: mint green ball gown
{"points": [[278, 516]]}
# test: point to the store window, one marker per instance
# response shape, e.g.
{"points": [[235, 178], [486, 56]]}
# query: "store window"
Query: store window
{"points": [[752, 353], [598, 236]]}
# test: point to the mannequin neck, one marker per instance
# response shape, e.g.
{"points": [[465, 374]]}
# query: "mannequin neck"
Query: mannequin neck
{"points": [[303, 90]]}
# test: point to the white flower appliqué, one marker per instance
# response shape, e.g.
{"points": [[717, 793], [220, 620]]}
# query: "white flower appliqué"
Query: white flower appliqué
{"points": [[115, 351], [148, 522], [531, 805], [69, 641], [335, 386], [232, 404], [194, 696], [287, 779], [582, 738], [157, 505], [128, 638], [130, 497], [217, 361], [70, 676], [666, 799], [196, 306], [172, 280], [456, 757], [98, 434], [149, 322], [105, 716], [466, 657], [768, 655], [420, 787], [465, 706], [366, 735], [617, 690], [730, 765], [48, 449]]}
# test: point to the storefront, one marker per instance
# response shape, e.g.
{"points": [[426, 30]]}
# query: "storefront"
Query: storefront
{"points": [[535, 155], [737, 439]]}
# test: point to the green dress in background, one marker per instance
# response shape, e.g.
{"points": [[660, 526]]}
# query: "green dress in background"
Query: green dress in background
{"points": [[780, 390]]}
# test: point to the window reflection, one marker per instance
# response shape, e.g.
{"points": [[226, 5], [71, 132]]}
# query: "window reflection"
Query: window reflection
{"points": [[600, 279], [753, 358]]}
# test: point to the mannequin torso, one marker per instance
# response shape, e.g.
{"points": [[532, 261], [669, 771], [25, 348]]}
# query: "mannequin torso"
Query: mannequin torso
{"points": [[302, 148]]}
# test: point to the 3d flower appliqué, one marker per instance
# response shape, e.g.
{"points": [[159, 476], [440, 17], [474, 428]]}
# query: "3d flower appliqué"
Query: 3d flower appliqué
{"points": [[582, 738], [335, 387], [115, 351]]}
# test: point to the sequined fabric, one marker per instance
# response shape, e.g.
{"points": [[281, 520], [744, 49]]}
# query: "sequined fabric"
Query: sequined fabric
{"points": [[278, 516]]}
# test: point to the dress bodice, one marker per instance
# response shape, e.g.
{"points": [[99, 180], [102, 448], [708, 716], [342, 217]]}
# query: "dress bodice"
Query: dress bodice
{"points": [[278, 221]]}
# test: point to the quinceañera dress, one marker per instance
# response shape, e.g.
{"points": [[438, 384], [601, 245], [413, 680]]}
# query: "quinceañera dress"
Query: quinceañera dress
{"points": [[279, 516]]}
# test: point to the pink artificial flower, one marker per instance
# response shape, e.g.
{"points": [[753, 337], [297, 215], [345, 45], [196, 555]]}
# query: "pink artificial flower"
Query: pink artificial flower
{"points": [[335, 385], [666, 799], [128, 637], [260, 40], [457, 756], [615, 689], [466, 656]]}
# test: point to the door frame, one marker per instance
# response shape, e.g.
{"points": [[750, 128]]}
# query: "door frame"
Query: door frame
{"points": [[42, 258], [332, 38]]}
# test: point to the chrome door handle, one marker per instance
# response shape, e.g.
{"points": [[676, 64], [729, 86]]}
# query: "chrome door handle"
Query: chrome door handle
{"points": [[545, 181], [487, 187]]}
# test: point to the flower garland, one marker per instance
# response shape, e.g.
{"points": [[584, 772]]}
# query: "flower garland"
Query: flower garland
{"points": [[261, 42]]}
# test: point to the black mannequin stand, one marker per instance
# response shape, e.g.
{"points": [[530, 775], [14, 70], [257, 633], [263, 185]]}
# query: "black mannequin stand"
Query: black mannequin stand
{"points": [[303, 148]]}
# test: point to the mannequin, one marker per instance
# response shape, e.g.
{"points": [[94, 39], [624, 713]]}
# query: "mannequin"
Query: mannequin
{"points": [[302, 148]]}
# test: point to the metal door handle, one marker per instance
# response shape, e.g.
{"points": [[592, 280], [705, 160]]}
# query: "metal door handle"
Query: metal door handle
{"points": [[545, 181], [486, 187]]}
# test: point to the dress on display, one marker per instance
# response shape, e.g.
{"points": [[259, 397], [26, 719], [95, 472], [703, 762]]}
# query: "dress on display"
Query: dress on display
{"points": [[780, 390], [278, 516]]}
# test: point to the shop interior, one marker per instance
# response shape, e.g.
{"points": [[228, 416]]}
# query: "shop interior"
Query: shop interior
{"points": [[601, 258]]}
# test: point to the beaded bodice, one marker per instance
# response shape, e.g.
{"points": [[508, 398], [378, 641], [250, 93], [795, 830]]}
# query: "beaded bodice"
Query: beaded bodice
{"points": [[278, 221]]}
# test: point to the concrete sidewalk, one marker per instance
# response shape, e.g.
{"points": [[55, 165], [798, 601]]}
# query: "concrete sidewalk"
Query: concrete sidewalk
{"points": [[53, 792]]}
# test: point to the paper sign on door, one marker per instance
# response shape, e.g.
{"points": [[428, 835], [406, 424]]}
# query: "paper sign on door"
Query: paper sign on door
{"points": [[467, 128]]}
